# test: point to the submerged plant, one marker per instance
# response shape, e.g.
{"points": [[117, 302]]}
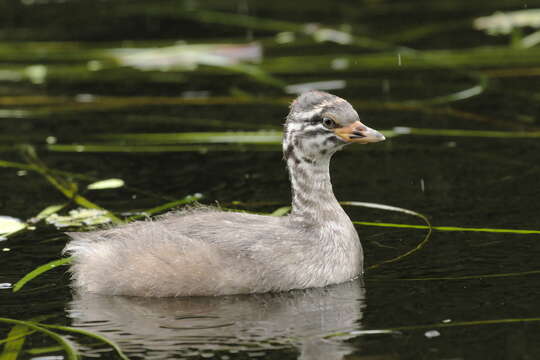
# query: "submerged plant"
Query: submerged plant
{"points": [[22, 329]]}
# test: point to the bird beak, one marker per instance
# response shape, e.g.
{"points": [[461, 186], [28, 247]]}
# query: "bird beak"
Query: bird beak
{"points": [[359, 133]]}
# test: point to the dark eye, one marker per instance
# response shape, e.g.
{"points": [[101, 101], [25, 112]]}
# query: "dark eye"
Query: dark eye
{"points": [[329, 123]]}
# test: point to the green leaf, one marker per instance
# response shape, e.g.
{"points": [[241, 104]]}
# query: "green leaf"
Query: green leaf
{"points": [[66, 346], [10, 225], [48, 211], [38, 271], [106, 184], [225, 137], [448, 228], [89, 334], [170, 205], [62, 183], [435, 326], [281, 211], [418, 246], [80, 217], [14, 342]]}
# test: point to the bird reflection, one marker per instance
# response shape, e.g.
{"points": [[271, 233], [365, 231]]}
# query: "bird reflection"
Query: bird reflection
{"points": [[164, 328]]}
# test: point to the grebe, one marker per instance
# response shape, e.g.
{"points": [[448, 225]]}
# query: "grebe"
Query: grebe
{"points": [[205, 251]]}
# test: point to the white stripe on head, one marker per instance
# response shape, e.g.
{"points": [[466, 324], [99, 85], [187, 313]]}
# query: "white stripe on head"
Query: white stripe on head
{"points": [[307, 115]]}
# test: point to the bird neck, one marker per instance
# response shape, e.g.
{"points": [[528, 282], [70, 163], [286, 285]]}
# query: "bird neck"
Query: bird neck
{"points": [[312, 195]]}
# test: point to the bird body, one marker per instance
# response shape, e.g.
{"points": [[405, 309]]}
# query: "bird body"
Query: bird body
{"points": [[205, 251]]}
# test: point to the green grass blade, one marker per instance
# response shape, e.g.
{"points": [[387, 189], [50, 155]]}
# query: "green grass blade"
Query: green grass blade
{"points": [[66, 187], [435, 326], [170, 205], [89, 334], [12, 337], [70, 351], [465, 277], [21, 166], [467, 133], [468, 323], [418, 246], [116, 148], [38, 271], [448, 228], [224, 137], [14, 342], [43, 350], [281, 211]]}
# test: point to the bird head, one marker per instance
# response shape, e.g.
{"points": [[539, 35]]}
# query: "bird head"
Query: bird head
{"points": [[319, 124]]}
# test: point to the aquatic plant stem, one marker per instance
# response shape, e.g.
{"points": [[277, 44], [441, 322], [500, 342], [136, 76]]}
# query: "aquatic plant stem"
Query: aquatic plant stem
{"points": [[70, 351], [433, 326], [89, 334], [14, 342], [465, 277], [40, 270], [448, 228], [69, 189], [418, 246]]}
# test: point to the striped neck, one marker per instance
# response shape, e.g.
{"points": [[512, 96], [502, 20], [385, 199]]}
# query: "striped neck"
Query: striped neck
{"points": [[312, 195]]}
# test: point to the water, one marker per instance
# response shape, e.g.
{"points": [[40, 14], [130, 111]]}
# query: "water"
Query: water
{"points": [[463, 295]]}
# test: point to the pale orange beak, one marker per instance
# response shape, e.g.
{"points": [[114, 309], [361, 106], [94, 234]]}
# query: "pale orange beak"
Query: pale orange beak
{"points": [[359, 133]]}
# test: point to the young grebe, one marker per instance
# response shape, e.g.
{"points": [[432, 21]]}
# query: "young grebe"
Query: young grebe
{"points": [[205, 251]]}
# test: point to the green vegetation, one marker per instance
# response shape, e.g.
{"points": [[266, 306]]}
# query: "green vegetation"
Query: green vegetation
{"points": [[109, 96]]}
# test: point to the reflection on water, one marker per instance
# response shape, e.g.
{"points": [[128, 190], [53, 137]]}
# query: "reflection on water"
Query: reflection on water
{"points": [[172, 327]]}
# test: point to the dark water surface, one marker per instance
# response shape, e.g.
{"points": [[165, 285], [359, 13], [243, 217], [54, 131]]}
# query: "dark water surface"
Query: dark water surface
{"points": [[72, 72]]}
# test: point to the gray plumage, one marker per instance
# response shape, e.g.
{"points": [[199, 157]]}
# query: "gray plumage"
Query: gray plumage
{"points": [[205, 251]]}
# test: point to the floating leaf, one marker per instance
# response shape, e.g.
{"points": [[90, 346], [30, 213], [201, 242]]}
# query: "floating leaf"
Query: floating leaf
{"points": [[225, 137], [80, 217], [10, 225], [106, 184], [203, 149], [62, 183], [402, 130], [48, 211], [281, 211], [506, 22], [187, 56]]}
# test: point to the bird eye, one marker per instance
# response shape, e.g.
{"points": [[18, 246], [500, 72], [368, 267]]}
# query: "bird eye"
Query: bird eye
{"points": [[329, 123]]}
